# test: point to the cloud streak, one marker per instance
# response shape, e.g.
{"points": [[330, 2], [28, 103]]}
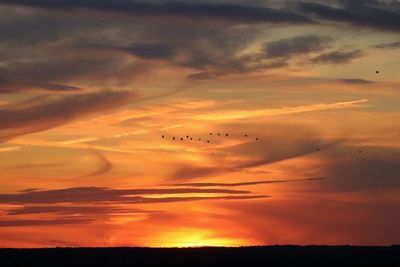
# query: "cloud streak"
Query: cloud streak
{"points": [[237, 115], [47, 113], [222, 11], [99, 194], [245, 183]]}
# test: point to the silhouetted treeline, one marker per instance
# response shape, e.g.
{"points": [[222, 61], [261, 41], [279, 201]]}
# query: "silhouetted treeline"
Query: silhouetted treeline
{"points": [[295, 256]]}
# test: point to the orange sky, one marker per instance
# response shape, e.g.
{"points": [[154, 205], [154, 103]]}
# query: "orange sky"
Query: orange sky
{"points": [[88, 92]]}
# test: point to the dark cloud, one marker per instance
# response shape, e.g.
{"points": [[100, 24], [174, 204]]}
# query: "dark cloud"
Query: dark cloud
{"points": [[41, 222], [382, 15], [73, 210], [221, 11], [150, 50], [73, 67], [98, 194], [245, 183], [338, 57], [205, 75], [296, 46], [392, 45], [376, 169], [327, 220], [46, 113], [356, 81], [7, 86]]}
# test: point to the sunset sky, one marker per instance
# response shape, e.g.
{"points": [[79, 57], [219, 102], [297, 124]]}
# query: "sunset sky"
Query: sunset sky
{"points": [[89, 88]]}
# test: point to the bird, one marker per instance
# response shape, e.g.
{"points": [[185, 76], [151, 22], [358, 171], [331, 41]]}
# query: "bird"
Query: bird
{"points": [[163, 136], [187, 136], [210, 133], [199, 139], [219, 134], [208, 141], [245, 135], [191, 138], [173, 138], [181, 139], [226, 134], [256, 139], [377, 72]]}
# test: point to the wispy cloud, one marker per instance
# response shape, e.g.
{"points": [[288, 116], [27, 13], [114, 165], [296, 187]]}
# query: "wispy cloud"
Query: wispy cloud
{"points": [[245, 183], [240, 114]]}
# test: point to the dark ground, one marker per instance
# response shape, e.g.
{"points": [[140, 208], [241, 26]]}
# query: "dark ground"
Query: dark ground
{"points": [[247, 256]]}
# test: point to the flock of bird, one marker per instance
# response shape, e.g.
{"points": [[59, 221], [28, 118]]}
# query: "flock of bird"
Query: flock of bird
{"points": [[207, 140]]}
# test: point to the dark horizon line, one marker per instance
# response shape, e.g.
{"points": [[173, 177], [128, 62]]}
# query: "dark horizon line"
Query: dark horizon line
{"points": [[205, 247]]}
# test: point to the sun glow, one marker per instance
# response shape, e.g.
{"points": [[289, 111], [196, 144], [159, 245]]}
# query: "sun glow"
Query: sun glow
{"points": [[195, 238]]}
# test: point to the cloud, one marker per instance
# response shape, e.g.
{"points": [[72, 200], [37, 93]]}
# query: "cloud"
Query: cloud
{"points": [[47, 113], [320, 219], [41, 222], [392, 45], [73, 210], [337, 57], [299, 45], [381, 15], [103, 166], [245, 183], [356, 81], [70, 66], [149, 50], [376, 169], [273, 146], [7, 86], [240, 114], [221, 11], [100, 195]]}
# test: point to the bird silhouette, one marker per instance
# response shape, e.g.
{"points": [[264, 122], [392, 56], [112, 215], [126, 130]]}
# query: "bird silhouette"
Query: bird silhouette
{"points": [[173, 138], [226, 134], [377, 72], [187, 136], [210, 133], [199, 139], [191, 138], [163, 136], [181, 138], [245, 135], [208, 141], [256, 139], [219, 134]]}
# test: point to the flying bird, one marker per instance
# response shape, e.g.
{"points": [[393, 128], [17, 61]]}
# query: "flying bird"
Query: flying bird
{"points": [[226, 134], [163, 136], [173, 138], [208, 141], [377, 72]]}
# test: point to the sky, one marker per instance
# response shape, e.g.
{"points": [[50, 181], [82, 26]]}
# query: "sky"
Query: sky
{"points": [[301, 98]]}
